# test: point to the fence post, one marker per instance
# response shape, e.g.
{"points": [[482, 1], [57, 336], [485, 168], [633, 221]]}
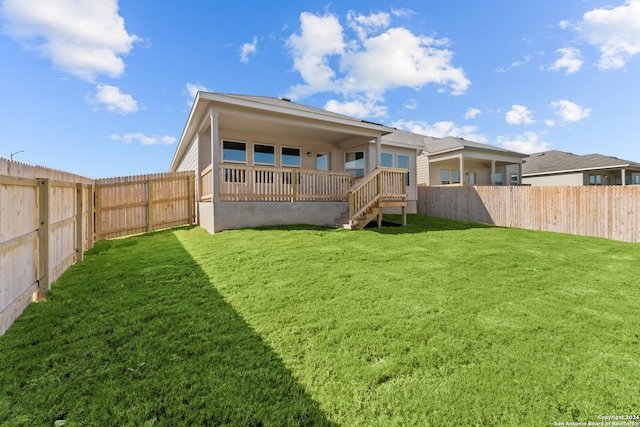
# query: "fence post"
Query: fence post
{"points": [[98, 213], [191, 189], [149, 205], [43, 238], [90, 219], [79, 227]]}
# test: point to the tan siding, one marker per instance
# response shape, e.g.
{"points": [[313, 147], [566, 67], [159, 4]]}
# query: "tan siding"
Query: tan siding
{"points": [[190, 160], [554, 180], [423, 169]]}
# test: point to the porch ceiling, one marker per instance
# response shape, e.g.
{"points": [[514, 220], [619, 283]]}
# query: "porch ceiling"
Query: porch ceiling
{"points": [[302, 129]]}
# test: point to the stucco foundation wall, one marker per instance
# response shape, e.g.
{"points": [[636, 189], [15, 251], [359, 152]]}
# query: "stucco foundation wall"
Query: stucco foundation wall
{"points": [[205, 216], [231, 215]]}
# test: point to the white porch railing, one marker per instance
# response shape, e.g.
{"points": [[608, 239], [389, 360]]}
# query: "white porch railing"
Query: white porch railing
{"points": [[260, 183]]}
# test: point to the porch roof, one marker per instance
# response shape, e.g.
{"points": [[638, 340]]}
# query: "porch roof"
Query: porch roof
{"points": [[278, 117], [451, 143]]}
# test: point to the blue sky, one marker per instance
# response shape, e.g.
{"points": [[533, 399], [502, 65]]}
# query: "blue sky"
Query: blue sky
{"points": [[104, 88]]}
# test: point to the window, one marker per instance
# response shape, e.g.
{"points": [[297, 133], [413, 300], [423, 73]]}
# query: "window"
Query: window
{"points": [[455, 177], [322, 161], [499, 178], [472, 178], [403, 163], [234, 152], [290, 157], [386, 160], [444, 176], [514, 179], [595, 179], [636, 178], [264, 155], [354, 163]]}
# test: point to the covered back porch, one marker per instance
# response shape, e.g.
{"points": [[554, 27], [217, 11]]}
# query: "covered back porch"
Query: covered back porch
{"points": [[268, 161]]}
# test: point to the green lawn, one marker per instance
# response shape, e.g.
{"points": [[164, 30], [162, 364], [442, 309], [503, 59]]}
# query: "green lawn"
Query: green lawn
{"points": [[440, 323]]}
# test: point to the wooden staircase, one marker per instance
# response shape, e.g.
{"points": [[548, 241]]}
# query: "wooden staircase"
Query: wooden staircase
{"points": [[381, 188]]}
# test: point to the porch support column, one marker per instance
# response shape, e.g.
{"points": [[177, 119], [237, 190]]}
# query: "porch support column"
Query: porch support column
{"points": [[623, 171], [215, 155], [520, 173], [378, 151], [461, 169], [493, 172]]}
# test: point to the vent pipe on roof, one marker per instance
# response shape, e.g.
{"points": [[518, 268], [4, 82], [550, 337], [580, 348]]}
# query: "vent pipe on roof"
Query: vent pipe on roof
{"points": [[285, 99]]}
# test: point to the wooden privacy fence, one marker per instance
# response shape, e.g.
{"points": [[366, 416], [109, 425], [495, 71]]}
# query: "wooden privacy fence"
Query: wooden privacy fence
{"points": [[48, 218], [137, 204], [612, 212], [46, 223]]}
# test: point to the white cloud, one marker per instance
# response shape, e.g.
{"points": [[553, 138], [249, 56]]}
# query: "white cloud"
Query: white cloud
{"points": [[528, 142], [564, 24], [398, 58], [378, 58], [570, 60], [192, 90], [143, 139], [472, 113], [569, 111], [614, 31], [248, 49], [320, 37], [364, 25], [114, 100], [84, 38], [411, 104], [402, 12], [357, 108], [519, 114], [440, 129]]}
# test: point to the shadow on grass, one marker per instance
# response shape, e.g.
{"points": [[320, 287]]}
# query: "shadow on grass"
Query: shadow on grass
{"points": [[417, 223], [136, 335]]}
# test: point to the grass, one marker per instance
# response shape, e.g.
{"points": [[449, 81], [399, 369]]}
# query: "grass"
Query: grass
{"points": [[439, 323]]}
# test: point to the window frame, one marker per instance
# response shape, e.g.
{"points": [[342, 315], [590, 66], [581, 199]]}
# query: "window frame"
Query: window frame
{"points": [[288, 165], [352, 170], [408, 168], [264, 163], [238, 162]]}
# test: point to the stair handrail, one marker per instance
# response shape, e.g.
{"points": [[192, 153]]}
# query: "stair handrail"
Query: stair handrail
{"points": [[356, 210], [372, 197]]}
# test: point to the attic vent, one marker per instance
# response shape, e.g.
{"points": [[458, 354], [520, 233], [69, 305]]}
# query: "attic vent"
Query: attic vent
{"points": [[285, 99]]}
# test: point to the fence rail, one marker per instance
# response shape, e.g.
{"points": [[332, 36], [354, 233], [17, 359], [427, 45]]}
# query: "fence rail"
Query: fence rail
{"points": [[47, 222], [611, 212]]}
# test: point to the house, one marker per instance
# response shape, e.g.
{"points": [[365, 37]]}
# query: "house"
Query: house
{"points": [[456, 161], [561, 168], [268, 161]]}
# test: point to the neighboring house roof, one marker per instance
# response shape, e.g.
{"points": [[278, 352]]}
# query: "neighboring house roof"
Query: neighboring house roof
{"points": [[451, 143], [554, 161], [406, 139]]}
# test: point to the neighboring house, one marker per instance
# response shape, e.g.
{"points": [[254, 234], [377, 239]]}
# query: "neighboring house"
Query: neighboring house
{"points": [[268, 161], [456, 161], [560, 168]]}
